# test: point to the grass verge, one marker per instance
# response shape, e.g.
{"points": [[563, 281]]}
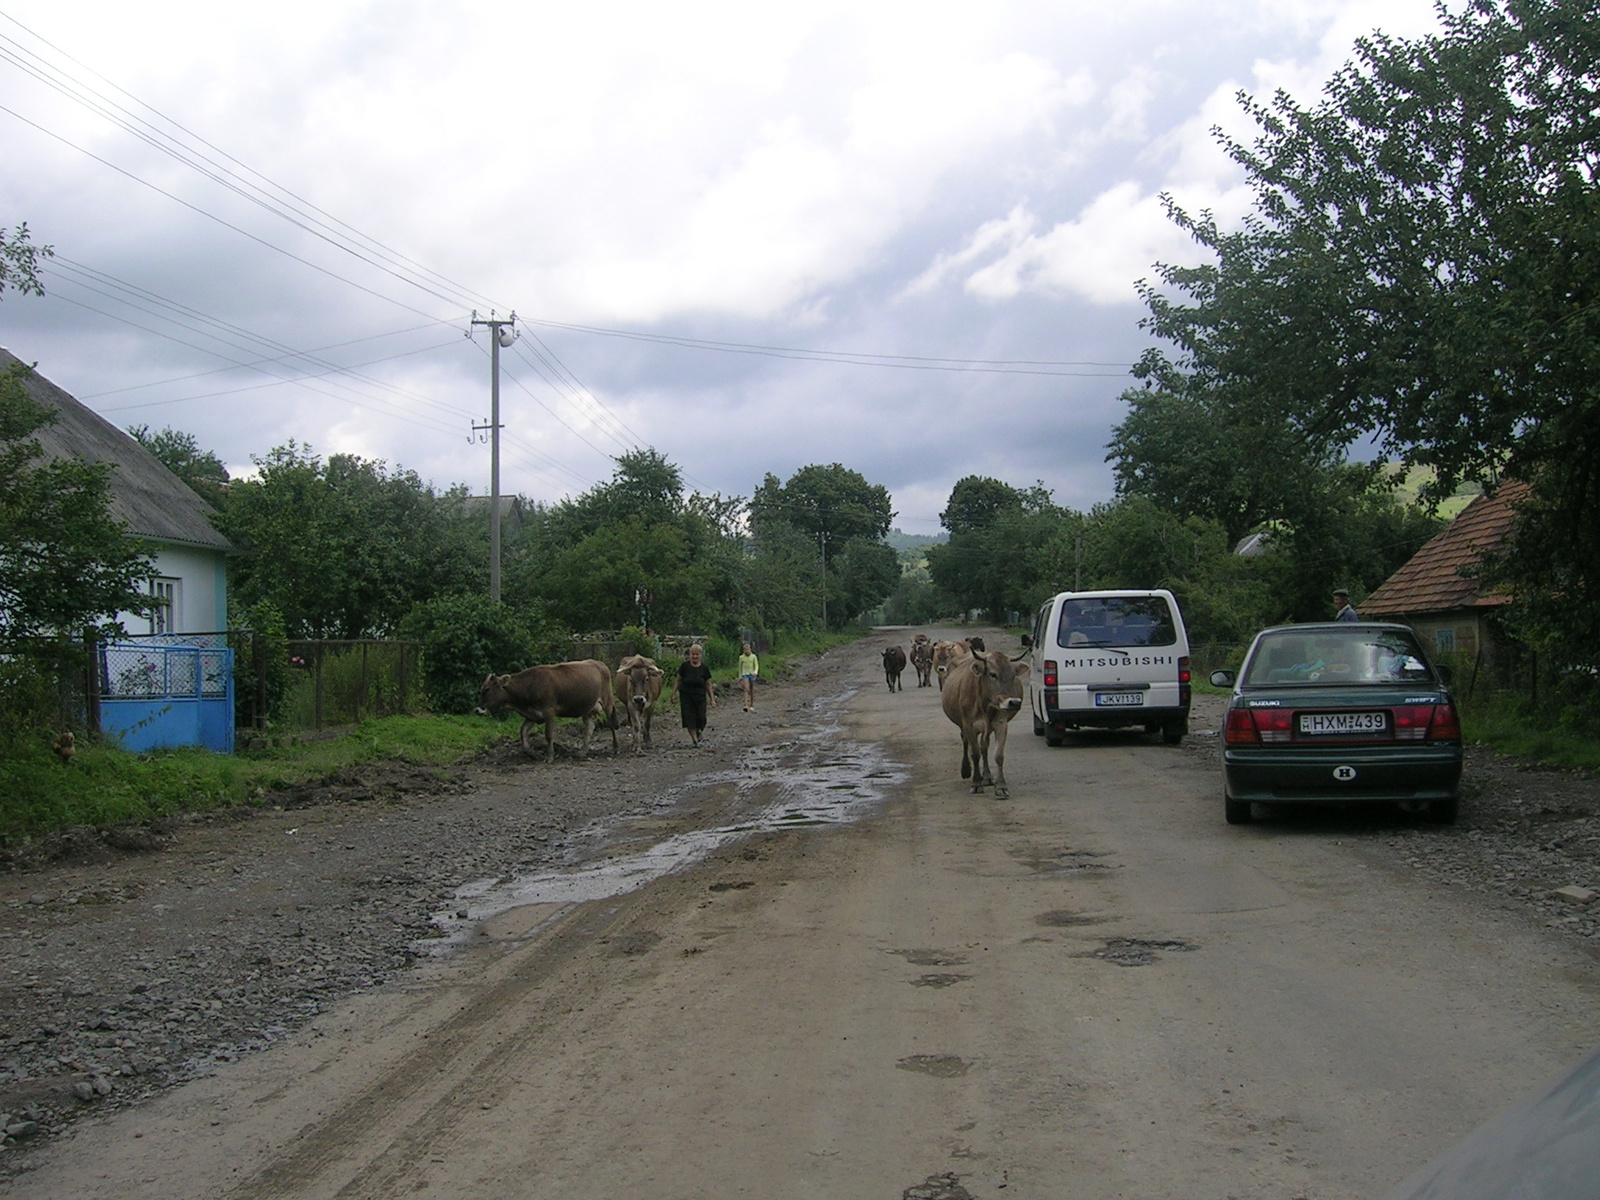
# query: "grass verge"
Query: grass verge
{"points": [[1512, 729], [106, 786]]}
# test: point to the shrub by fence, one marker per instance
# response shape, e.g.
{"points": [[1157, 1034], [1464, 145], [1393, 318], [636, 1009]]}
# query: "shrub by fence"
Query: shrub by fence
{"points": [[343, 682]]}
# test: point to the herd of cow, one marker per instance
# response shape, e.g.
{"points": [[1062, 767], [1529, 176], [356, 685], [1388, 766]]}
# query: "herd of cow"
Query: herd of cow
{"points": [[980, 691]]}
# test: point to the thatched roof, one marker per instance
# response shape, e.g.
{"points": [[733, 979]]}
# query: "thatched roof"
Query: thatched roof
{"points": [[148, 498]]}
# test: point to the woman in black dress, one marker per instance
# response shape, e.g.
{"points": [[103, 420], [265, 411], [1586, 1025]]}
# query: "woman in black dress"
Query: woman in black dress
{"points": [[692, 688]]}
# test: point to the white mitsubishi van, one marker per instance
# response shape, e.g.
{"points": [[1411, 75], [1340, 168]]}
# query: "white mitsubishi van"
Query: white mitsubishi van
{"points": [[1104, 660]]}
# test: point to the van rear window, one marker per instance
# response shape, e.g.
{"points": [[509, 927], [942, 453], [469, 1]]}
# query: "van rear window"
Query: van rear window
{"points": [[1117, 621]]}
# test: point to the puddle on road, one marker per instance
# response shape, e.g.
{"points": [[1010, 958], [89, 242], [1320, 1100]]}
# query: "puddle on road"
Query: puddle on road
{"points": [[816, 779]]}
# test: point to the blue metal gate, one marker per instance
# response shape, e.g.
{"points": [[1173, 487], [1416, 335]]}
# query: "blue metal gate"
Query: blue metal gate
{"points": [[158, 694]]}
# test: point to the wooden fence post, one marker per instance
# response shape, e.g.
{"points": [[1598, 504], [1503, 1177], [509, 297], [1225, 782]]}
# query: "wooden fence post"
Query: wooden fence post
{"points": [[91, 681]]}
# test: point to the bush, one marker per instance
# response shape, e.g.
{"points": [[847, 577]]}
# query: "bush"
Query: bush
{"points": [[634, 640], [463, 639], [721, 654], [250, 676]]}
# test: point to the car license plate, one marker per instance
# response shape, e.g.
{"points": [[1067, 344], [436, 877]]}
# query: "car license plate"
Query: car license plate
{"points": [[1118, 699], [1334, 724]]}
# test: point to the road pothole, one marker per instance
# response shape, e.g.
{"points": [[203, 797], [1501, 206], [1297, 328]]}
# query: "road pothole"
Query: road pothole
{"points": [[932, 958], [939, 981], [1061, 862], [1065, 918], [940, 1066], [1139, 952], [938, 1187]]}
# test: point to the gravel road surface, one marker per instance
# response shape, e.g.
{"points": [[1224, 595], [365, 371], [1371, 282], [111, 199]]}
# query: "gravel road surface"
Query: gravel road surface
{"points": [[676, 1011]]}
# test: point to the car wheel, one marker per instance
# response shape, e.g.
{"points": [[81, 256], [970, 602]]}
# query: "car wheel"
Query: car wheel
{"points": [[1054, 737], [1172, 732], [1236, 812], [1443, 812]]}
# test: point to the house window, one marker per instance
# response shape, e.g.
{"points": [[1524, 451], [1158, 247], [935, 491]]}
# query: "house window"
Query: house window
{"points": [[1444, 641], [164, 613]]}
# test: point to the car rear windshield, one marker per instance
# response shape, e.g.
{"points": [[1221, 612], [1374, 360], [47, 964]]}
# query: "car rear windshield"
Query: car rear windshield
{"points": [[1117, 621], [1330, 658]]}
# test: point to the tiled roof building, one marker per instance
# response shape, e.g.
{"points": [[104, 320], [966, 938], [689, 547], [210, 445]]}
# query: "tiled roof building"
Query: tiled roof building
{"points": [[1432, 594]]}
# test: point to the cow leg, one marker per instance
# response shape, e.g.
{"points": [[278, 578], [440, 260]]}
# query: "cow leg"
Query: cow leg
{"points": [[981, 776], [588, 731], [1001, 791], [648, 713], [527, 724], [966, 763], [550, 737]]}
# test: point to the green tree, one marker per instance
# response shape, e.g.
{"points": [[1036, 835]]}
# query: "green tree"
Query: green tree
{"points": [[1422, 263], [342, 548], [19, 261], [994, 560], [64, 561], [832, 500], [180, 453]]}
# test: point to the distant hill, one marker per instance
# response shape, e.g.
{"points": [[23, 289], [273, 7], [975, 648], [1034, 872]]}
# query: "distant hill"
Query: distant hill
{"points": [[1407, 488], [899, 539]]}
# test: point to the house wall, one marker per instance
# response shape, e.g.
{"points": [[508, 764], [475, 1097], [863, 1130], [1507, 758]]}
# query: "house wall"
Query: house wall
{"points": [[1465, 633], [200, 590]]}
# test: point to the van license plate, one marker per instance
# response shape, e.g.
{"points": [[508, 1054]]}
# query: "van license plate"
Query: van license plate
{"points": [[1118, 699], [1334, 724]]}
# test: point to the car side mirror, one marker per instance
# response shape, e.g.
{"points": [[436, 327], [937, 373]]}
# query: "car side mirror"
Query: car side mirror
{"points": [[1223, 679], [1027, 642], [1446, 675]]}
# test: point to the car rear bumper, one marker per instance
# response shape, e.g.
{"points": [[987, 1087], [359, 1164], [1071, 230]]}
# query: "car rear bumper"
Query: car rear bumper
{"points": [[1297, 775]]}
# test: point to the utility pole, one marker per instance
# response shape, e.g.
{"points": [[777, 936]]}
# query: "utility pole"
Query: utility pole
{"points": [[502, 332], [822, 535]]}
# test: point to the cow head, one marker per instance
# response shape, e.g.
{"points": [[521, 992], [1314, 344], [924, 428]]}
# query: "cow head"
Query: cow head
{"points": [[640, 678], [493, 695], [999, 681]]}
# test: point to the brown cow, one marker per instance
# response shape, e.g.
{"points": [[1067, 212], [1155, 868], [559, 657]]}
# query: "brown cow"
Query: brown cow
{"points": [[943, 652], [983, 692], [638, 689], [894, 662], [568, 689], [922, 660]]}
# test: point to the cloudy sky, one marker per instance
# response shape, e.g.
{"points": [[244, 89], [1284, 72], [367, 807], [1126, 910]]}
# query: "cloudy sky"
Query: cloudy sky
{"points": [[753, 236]]}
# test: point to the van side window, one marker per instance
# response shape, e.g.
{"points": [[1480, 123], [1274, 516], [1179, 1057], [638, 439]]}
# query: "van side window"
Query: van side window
{"points": [[1119, 621]]}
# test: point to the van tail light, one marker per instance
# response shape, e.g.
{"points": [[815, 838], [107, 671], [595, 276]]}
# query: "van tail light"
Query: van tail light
{"points": [[1446, 725], [1273, 724], [1240, 730], [1052, 680], [1183, 680]]}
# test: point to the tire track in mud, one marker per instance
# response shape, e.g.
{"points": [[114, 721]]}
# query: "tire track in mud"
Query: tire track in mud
{"points": [[383, 1139]]}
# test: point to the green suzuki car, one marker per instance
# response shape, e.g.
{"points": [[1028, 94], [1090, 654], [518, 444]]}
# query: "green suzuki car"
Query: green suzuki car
{"points": [[1341, 712]]}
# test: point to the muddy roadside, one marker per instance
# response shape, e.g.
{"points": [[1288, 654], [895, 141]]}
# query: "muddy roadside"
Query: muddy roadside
{"points": [[142, 959]]}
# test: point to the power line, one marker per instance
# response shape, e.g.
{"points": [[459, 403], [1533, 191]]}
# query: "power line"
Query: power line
{"points": [[851, 357]]}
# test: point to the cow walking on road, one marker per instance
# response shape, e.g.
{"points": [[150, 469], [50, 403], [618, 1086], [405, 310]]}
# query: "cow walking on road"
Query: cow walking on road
{"points": [[922, 660], [894, 662], [638, 689], [982, 692], [569, 689]]}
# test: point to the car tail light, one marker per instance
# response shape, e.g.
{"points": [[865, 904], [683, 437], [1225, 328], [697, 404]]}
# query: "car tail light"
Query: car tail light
{"points": [[1183, 680], [1050, 676], [1411, 721], [1273, 724], [1052, 698], [1240, 729], [1446, 725]]}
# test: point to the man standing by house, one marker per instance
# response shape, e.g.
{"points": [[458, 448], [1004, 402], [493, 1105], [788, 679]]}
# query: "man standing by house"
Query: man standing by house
{"points": [[1343, 609]]}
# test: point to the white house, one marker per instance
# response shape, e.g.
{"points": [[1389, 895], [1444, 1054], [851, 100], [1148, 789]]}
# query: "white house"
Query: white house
{"points": [[190, 577]]}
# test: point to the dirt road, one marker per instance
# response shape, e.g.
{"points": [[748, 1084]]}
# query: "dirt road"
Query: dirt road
{"points": [[1092, 989]]}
